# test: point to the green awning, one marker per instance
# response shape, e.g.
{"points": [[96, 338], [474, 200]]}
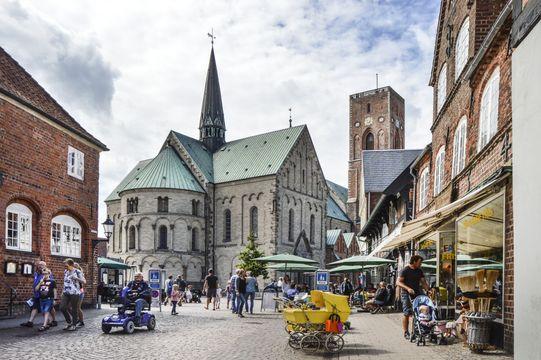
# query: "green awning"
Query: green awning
{"points": [[111, 264], [285, 258], [292, 267], [363, 260], [351, 268]]}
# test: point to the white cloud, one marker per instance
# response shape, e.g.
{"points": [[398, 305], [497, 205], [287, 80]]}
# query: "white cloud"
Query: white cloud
{"points": [[143, 64]]}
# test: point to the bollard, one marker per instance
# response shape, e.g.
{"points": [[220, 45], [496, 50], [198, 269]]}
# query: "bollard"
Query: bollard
{"points": [[99, 302]]}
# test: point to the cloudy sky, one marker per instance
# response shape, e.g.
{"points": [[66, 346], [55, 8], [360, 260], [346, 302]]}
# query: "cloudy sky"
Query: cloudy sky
{"points": [[130, 71]]}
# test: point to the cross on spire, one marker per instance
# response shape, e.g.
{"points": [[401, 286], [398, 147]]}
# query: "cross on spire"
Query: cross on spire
{"points": [[211, 36], [290, 120]]}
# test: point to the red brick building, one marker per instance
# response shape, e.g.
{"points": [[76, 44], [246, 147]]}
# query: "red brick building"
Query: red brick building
{"points": [[49, 170], [463, 187]]}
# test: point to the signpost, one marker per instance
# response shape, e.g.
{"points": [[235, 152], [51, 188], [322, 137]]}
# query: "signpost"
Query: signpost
{"points": [[154, 282], [322, 280]]}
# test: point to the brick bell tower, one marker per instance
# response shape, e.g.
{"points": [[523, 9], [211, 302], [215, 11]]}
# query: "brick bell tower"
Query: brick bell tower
{"points": [[376, 122]]}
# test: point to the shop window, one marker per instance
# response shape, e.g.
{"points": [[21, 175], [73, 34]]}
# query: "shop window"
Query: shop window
{"points": [[163, 237], [227, 225], [459, 147], [439, 171], [76, 163], [462, 47], [442, 87], [424, 182], [480, 252], [18, 227], [65, 236], [488, 116], [253, 221]]}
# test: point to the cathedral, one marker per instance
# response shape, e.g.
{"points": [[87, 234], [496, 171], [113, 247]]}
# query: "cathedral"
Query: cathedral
{"points": [[193, 206]]}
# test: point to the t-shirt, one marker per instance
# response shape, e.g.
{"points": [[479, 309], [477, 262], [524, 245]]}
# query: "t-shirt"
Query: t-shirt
{"points": [[212, 281], [412, 279], [46, 289], [181, 284], [381, 294], [72, 282], [37, 278]]}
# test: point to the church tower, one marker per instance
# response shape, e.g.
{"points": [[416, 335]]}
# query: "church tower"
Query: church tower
{"points": [[212, 123], [376, 122]]}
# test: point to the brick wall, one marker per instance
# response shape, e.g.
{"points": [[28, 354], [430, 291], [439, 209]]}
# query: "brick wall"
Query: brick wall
{"points": [[34, 161]]}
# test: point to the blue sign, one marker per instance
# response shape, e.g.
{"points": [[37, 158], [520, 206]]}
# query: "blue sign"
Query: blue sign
{"points": [[154, 276], [322, 280]]}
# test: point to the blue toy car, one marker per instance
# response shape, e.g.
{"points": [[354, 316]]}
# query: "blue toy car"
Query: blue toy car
{"points": [[125, 318]]}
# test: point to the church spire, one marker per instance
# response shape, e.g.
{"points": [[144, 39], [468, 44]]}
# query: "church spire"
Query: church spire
{"points": [[212, 123]]}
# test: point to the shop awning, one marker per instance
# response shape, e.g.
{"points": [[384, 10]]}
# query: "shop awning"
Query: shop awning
{"points": [[106, 263], [430, 222]]}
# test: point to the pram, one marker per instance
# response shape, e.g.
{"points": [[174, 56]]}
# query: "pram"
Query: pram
{"points": [[320, 326], [125, 317], [423, 328]]}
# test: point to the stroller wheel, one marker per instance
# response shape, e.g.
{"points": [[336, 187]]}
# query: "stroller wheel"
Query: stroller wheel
{"points": [[295, 340], [310, 343], [334, 343]]}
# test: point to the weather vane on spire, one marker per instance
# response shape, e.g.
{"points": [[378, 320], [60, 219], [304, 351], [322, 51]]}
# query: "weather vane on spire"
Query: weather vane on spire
{"points": [[290, 120], [211, 36]]}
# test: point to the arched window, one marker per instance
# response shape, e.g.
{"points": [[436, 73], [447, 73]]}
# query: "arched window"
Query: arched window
{"points": [[442, 87], [291, 225], [163, 237], [18, 227], [65, 236], [227, 225], [253, 221], [131, 238], [163, 204], [368, 108], [488, 117], [459, 147], [369, 141], [424, 182], [397, 140], [195, 235], [462, 47], [356, 147], [195, 207], [312, 229], [439, 171]]}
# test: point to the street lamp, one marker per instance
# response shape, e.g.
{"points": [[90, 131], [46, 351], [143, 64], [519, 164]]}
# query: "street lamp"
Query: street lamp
{"points": [[108, 226]]}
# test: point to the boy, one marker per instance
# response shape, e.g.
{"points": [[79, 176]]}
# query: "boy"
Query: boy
{"points": [[47, 297]]}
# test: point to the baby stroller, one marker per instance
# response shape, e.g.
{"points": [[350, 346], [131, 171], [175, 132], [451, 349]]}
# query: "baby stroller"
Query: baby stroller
{"points": [[125, 318], [424, 325], [196, 296]]}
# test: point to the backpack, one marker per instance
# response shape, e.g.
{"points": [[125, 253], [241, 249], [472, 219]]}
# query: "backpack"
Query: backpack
{"points": [[169, 286]]}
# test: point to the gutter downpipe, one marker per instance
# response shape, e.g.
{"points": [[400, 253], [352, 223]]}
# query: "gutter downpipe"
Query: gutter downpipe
{"points": [[412, 173]]}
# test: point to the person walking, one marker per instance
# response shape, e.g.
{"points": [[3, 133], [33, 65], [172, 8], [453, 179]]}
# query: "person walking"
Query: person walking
{"points": [[35, 306], [240, 286], [228, 293], [251, 288], [346, 288], [80, 315], [48, 296], [411, 277], [233, 287], [71, 295], [175, 298], [168, 289], [210, 286], [218, 297], [181, 287]]}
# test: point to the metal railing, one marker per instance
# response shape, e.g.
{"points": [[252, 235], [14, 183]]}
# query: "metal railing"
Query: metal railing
{"points": [[12, 297]]}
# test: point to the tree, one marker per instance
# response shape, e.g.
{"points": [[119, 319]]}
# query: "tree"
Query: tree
{"points": [[247, 256]]}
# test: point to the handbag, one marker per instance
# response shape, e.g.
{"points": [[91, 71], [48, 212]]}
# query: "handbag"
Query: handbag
{"points": [[332, 324], [30, 302]]}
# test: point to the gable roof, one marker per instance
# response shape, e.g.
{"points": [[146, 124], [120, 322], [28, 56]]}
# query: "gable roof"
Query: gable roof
{"points": [[165, 171], [334, 211], [341, 191], [332, 236], [381, 167], [18, 84], [131, 175], [254, 156], [348, 238]]}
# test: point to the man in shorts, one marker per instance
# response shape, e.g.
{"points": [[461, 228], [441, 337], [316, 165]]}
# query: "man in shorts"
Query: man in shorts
{"points": [[36, 307], [210, 286], [410, 281]]}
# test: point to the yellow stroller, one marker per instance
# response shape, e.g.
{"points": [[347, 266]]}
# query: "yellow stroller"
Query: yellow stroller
{"points": [[322, 326]]}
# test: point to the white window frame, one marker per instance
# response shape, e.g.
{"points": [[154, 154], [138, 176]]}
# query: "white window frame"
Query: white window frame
{"points": [[462, 47], [65, 236], [424, 183], [76, 163], [439, 171], [459, 146], [22, 241], [442, 87], [488, 114]]}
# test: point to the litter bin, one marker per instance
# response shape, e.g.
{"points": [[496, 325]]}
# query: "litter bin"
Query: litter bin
{"points": [[479, 331]]}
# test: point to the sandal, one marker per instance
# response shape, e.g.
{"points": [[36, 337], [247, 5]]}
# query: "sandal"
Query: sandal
{"points": [[43, 328]]}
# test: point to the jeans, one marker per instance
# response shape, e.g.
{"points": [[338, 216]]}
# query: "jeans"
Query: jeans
{"points": [[241, 300], [233, 301], [139, 305], [250, 296], [69, 307], [174, 309]]}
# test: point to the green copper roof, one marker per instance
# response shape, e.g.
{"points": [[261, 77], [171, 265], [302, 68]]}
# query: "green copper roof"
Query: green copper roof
{"points": [[332, 236], [334, 211], [254, 156], [348, 238], [131, 175], [341, 191], [199, 153], [165, 171]]}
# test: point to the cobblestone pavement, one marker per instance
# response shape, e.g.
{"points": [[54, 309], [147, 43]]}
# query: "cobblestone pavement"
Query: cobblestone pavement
{"points": [[200, 334]]}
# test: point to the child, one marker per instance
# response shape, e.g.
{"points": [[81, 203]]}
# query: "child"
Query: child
{"points": [[228, 293], [424, 314], [175, 297], [218, 297], [47, 295], [188, 294]]}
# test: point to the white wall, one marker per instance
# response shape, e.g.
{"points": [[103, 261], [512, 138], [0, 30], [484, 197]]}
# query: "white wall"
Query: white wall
{"points": [[527, 194]]}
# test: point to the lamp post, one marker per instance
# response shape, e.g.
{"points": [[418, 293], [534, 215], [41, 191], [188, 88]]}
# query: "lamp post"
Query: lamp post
{"points": [[108, 226]]}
